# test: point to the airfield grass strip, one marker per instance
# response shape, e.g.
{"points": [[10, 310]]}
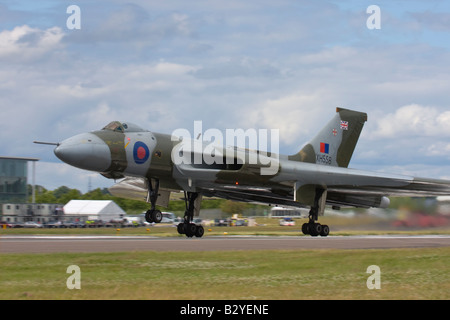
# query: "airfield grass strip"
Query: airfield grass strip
{"points": [[421, 273]]}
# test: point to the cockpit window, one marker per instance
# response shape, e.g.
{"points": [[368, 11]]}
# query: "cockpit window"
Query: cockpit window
{"points": [[114, 126], [123, 127], [131, 127]]}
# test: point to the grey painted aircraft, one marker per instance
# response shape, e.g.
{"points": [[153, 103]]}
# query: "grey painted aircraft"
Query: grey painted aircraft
{"points": [[152, 165]]}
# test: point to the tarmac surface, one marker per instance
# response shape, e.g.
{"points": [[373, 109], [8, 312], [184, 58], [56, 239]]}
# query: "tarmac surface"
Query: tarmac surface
{"points": [[54, 244]]}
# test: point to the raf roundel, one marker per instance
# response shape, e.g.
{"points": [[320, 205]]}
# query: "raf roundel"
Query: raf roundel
{"points": [[140, 152]]}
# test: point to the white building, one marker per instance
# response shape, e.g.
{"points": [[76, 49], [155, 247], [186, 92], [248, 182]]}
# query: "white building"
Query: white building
{"points": [[281, 212], [82, 210], [443, 204]]}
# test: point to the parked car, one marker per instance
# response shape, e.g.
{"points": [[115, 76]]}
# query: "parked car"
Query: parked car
{"points": [[239, 222], [287, 222], [73, 224], [94, 223], [53, 224], [168, 217], [4, 224], [78, 224], [221, 222], [17, 225], [32, 224]]}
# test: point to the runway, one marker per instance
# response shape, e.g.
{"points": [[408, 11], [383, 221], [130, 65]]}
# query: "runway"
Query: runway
{"points": [[54, 244]]}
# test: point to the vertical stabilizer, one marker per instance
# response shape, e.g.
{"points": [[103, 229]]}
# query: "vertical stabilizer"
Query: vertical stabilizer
{"points": [[335, 143]]}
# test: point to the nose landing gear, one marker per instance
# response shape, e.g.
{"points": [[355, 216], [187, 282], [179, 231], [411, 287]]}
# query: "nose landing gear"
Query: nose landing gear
{"points": [[153, 215]]}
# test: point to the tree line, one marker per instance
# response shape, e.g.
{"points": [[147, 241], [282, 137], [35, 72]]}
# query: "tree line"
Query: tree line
{"points": [[63, 195]]}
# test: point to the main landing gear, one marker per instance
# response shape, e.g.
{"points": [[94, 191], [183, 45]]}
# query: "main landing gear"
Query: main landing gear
{"points": [[153, 215], [312, 227], [187, 227], [315, 229], [192, 200]]}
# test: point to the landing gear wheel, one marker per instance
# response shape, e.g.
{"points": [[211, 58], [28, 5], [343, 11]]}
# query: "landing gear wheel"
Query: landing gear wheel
{"points": [[157, 216], [315, 229], [305, 228], [153, 215], [148, 216], [190, 229], [325, 230], [199, 232]]}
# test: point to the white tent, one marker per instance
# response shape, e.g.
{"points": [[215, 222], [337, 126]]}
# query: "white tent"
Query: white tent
{"points": [[104, 210]]}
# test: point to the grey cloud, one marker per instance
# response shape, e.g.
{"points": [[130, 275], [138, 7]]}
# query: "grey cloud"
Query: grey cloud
{"points": [[130, 23], [438, 21], [244, 67], [25, 44]]}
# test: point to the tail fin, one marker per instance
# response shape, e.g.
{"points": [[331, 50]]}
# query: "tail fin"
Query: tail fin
{"points": [[335, 143]]}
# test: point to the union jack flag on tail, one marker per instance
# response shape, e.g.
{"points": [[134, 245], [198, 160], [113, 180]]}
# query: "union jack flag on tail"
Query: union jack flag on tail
{"points": [[334, 144]]}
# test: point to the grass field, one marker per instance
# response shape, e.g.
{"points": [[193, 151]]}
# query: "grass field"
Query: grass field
{"points": [[293, 274], [421, 273]]}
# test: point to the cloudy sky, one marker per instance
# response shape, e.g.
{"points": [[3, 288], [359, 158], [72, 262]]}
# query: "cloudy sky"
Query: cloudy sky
{"points": [[232, 64]]}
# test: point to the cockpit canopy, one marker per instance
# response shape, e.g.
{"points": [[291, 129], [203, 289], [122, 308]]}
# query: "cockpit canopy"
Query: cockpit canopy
{"points": [[118, 126]]}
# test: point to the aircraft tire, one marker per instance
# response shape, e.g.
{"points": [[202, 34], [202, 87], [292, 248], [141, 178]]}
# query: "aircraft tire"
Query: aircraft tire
{"points": [[190, 229], [199, 232], [157, 216], [325, 230], [305, 228], [149, 216], [315, 229], [180, 228]]}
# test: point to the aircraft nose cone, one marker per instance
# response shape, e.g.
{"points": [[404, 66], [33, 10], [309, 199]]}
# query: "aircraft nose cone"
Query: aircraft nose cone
{"points": [[85, 151]]}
